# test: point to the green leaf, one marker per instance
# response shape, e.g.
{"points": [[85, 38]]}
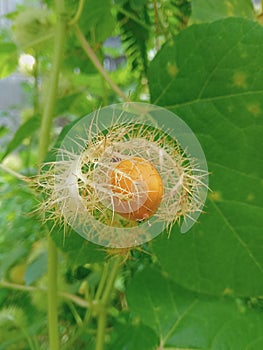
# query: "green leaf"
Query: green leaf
{"points": [[188, 321], [151, 298], [212, 10], [210, 76], [133, 337], [36, 269], [134, 34], [25, 130], [97, 16], [8, 59]]}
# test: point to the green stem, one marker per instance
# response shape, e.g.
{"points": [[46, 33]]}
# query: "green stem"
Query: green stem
{"points": [[67, 296], [52, 296], [14, 173], [102, 281], [46, 123], [78, 13], [114, 267], [104, 302], [94, 59], [45, 130], [75, 314], [102, 322]]}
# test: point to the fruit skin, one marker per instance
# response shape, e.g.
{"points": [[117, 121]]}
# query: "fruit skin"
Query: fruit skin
{"points": [[137, 189]]}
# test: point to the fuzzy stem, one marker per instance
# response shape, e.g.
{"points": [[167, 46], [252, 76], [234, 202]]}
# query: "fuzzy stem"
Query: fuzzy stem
{"points": [[94, 59], [45, 130]]}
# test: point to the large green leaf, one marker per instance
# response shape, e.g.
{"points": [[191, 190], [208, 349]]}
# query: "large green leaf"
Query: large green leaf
{"points": [[211, 77], [133, 337], [185, 320], [211, 10]]}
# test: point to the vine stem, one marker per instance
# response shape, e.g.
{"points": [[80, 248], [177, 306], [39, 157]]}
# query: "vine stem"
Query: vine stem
{"points": [[14, 173], [78, 13], [114, 268], [46, 123], [45, 130], [102, 322], [94, 59], [67, 296], [52, 296], [104, 301]]}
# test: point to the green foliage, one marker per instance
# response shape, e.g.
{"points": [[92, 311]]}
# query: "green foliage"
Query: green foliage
{"points": [[211, 10], [18, 225], [217, 89], [97, 19], [134, 23], [201, 290], [131, 337], [8, 58], [24, 131], [191, 321], [32, 27]]}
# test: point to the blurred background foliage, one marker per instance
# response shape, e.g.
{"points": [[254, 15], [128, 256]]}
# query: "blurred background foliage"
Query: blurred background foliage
{"points": [[125, 36]]}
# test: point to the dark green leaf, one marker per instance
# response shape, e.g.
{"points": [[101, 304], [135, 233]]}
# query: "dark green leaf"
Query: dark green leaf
{"points": [[188, 321], [134, 337], [209, 76], [211, 10], [151, 297]]}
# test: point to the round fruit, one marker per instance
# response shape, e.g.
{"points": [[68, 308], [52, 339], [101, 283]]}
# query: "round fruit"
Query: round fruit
{"points": [[137, 188]]}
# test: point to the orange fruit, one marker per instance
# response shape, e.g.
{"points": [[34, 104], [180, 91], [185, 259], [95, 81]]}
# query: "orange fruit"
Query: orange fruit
{"points": [[137, 188]]}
